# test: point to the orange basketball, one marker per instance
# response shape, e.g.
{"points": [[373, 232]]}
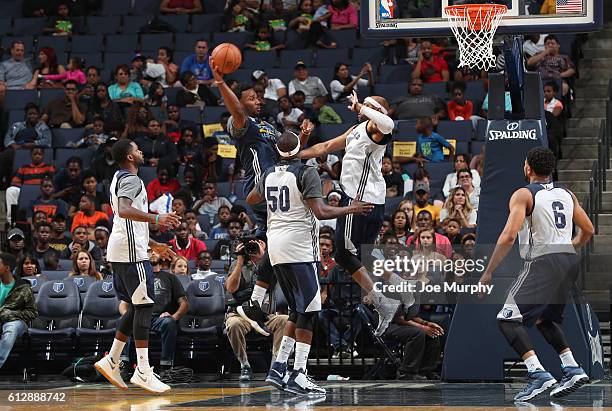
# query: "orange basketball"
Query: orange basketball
{"points": [[227, 57]]}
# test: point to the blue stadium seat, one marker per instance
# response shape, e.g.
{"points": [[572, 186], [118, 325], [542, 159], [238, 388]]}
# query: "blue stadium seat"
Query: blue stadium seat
{"points": [[330, 131], [65, 264], [344, 112], [157, 113], [29, 25], [206, 23], [344, 38], [244, 75], [58, 43], [395, 74], [475, 90], [187, 42], [112, 60], [83, 282], [184, 280], [391, 91], [372, 55], [87, 43], [47, 95], [171, 93], [133, 24], [406, 130], [104, 24], [63, 136], [91, 59], [457, 130], [63, 154], [79, 26], [27, 195], [284, 74], [289, 58], [213, 6], [391, 204], [324, 73], [279, 36], [329, 57], [437, 89], [212, 114], [145, 7], [295, 41], [28, 42], [438, 172], [180, 22], [115, 8], [17, 99], [191, 114], [155, 41], [476, 147], [15, 116], [239, 39], [56, 275], [36, 282], [11, 8], [210, 244], [23, 158], [122, 43], [258, 59], [481, 129], [147, 174], [100, 312]]}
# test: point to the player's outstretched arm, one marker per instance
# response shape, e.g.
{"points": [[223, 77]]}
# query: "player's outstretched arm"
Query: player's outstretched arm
{"points": [[583, 222], [324, 212], [229, 98], [322, 149], [130, 213]]}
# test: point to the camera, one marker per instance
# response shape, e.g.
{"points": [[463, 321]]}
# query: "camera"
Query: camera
{"points": [[249, 242]]}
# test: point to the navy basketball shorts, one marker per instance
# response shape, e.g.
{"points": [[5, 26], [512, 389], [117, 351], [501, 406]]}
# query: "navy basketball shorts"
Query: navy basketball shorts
{"points": [[300, 284], [134, 282], [541, 289], [355, 230]]}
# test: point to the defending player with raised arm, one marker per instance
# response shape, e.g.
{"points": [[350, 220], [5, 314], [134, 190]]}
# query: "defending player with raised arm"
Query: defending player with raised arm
{"points": [[362, 178], [132, 273], [542, 216]]}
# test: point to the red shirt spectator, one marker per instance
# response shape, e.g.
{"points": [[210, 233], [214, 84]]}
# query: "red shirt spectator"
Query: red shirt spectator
{"points": [[443, 244], [185, 245], [162, 184], [455, 110], [34, 173], [430, 68]]}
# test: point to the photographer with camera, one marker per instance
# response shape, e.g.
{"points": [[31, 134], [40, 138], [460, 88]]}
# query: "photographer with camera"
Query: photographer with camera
{"points": [[248, 255]]}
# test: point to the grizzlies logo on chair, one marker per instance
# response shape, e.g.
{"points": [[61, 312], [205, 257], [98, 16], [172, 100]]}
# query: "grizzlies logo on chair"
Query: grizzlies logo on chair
{"points": [[58, 287]]}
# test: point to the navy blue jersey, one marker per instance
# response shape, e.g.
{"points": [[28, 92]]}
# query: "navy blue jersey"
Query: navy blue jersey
{"points": [[256, 145]]}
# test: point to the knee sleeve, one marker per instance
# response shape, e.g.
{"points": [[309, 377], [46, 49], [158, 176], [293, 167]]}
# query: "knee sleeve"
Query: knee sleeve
{"points": [[293, 317], [305, 321], [142, 322], [125, 323], [553, 334], [516, 335], [348, 261]]}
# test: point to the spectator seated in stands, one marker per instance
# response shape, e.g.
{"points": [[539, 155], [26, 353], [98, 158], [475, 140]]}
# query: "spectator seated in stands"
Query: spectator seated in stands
{"points": [[459, 108], [88, 216], [164, 57], [42, 236], [263, 41], [101, 235], [185, 245], [48, 65], [417, 105], [344, 83], [93, 136], [156, 147], [276, 15], [203, 264], [160, 236], [27, 266], [194, 93], [156, 96], [426, 250], [170, 306], [92, 78], [552, 65], [189, 145], [462, 160], [430, 68], [16, 72], [67, 111], [68, 182], [239, 212], [103, 108], [289, 118], [274, 88], [333, 200], [80, 241], [424, 221], [533, 44], [393, 180], [220, 230], [59, 236], [17, 306], [554, 117], [181, 203], [328, 167], [422, 197], [343, 15], [327, 249], [458, 206], [325, 114], [163, 184], [400, 226], [181, 7], [124, 91], [83, 264], [452, 230], [209, 162], [90, 187], [239, 17], [311, 86], [191, 218], [240, 283], [466, 181], [32, 174], [61, 23], [223, 248], [46, 203], [73, 72], [198, 64], [173, 125], [179, 266], [51, 260], [429, 143], [137, 123], [210, 202], [468, 243]]}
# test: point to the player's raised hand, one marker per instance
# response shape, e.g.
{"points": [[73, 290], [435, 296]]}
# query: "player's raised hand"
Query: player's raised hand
{"points": [[359, 207], [217, 74], [307, 127], [355, 104], [170, 220]]}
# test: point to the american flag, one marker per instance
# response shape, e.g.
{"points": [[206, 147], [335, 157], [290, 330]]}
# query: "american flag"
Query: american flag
{"points": [[569, 6]]}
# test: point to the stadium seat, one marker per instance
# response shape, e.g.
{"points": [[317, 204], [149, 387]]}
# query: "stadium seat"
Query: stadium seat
{"points": [[87, 43], [481, 129], [63, 154], [14, 116], [475, 90], [210, 244], [28, 42], [27, 195], [329, 57], [289, 58], [179, 22], [83, 282], [23, 158], [212, 114], [91, 59], [65, 264], [437, 89], [244, 75], [406, 130], [476, 147], [187, 41], [104, 24], [58, 43], [456, 130], [29, 25], [49, 94], [133, 24], [438, 172], [239, 39], [295, 41], [145, 7], [391, 204], [206, 23], [330, 131], [157, 112], [155, 41], [147, 174], [112, 60], [17, 99], [344, 112], [122, 43], [258, 59], [184, 280], [11, 8], [218, 266], [324, 73], [100, 313], [391, 91], [372, 55], [213, 6], [344, 38], [192, 114], [36, 282], [115, 8], [6, 26], [395, 74], [55, 275]]}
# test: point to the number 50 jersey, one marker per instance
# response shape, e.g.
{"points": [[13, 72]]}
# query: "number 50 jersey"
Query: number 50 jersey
{"points": [[548, 229], [293, 229]]}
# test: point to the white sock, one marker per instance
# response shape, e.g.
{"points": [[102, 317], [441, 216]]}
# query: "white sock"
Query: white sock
{"points": [[116, 349], [533, 363], [142, 356], [285, 349], [567, 359], [258, 294], [301, 356]]}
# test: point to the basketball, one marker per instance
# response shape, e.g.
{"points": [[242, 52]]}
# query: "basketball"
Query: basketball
{"points": [[227, 57]]}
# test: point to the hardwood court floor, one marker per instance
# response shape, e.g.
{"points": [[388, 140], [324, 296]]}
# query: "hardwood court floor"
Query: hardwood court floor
{"points": [[343, 395]]}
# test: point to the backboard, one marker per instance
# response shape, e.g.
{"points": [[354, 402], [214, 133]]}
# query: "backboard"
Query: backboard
{"points": [[426, 18]]}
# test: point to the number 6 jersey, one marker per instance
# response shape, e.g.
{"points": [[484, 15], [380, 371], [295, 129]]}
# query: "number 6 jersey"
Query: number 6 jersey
{"points": [[293, 229], [548, 229]]}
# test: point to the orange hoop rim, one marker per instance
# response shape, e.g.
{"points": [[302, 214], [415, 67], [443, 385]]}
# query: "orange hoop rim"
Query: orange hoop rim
{"points": [[473, 9]]}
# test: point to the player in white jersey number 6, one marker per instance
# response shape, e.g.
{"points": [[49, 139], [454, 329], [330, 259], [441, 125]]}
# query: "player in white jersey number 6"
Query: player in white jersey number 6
{"points": [[132, 274]]}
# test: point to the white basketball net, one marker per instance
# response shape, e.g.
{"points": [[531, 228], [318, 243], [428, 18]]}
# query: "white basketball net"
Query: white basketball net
{"points": [[474, 27]]}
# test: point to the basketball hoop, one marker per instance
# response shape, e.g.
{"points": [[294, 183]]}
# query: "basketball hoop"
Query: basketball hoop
{"points": [[474, 26]]}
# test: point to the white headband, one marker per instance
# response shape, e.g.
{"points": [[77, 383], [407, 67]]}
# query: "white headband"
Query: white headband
{"points": [[286, 154], [376, 104]]}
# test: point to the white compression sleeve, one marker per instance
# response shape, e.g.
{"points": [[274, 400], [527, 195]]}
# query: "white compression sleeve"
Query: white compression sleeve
{"points": [[383, 122]]}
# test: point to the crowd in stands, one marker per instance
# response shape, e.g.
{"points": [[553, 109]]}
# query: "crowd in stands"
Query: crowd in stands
{"points": [[64, 110]]}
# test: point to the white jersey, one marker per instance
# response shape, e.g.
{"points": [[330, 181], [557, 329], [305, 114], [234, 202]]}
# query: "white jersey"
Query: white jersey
{"points": [[293, 229], [361, 166], [129, 240], [548, 229]]}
